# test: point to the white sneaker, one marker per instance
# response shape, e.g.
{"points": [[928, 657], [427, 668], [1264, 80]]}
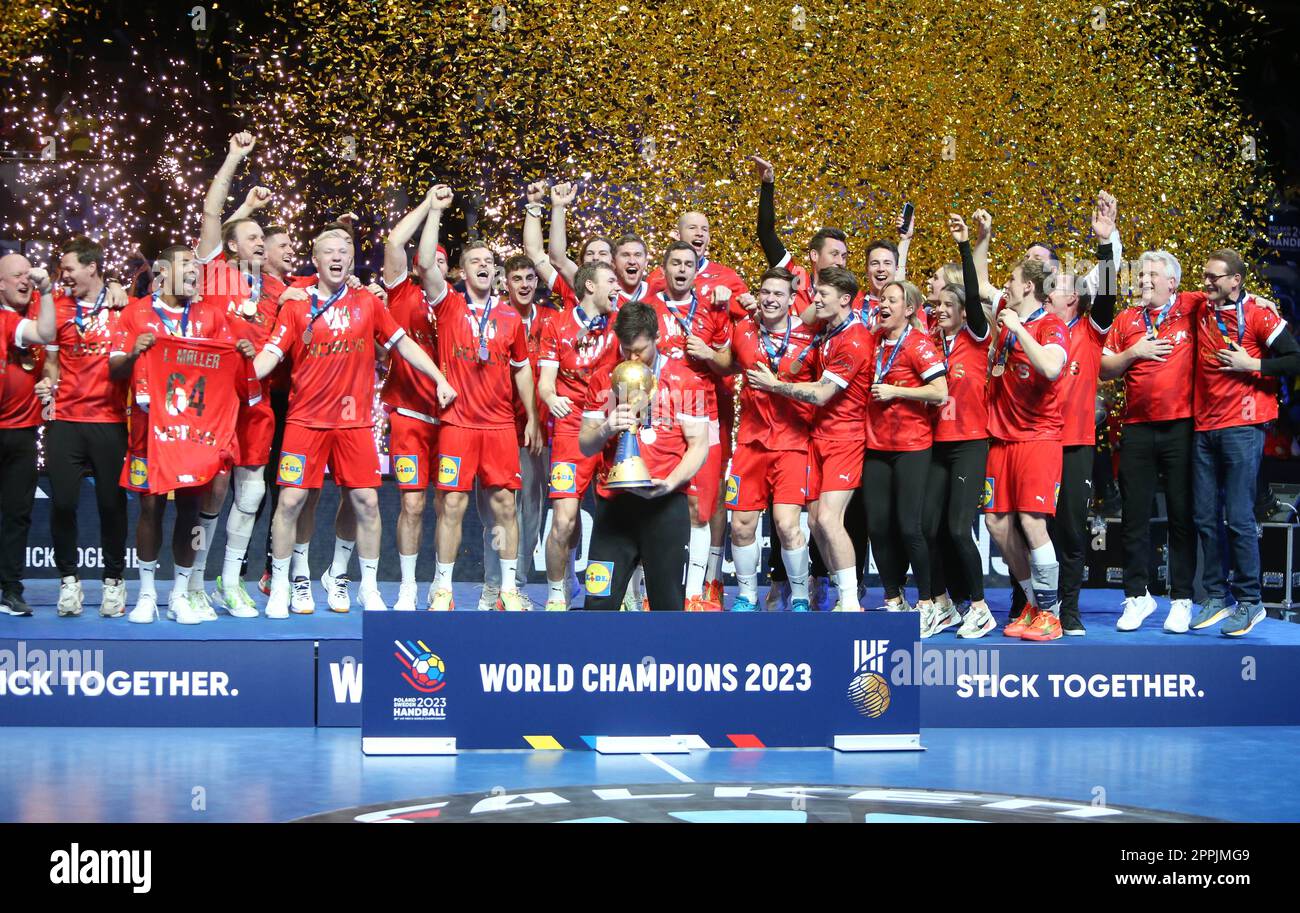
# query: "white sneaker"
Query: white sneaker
{"points": [[405, 598], [235, 599], [113, 602], [947, 616], [371, 601], [978, 622], [488, 601], [145, 611], [336, 591], [1136, 610], [203, 605], [930, 615], [303, 602], [277, 606], [901, 605], [181, 610], [70, 596], [1180, 616]]}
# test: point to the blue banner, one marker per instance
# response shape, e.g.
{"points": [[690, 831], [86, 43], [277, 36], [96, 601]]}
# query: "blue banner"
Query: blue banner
{"points": [[541, 680], [157, 683]]}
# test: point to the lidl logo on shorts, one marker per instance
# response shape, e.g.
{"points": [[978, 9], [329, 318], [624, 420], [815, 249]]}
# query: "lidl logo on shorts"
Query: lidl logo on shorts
{"points": [[448, 470], [292, 467], [600, 577], [1056, 496], [986, 502], [139, 472], [733, 489], [406, 469], [564, 477]]}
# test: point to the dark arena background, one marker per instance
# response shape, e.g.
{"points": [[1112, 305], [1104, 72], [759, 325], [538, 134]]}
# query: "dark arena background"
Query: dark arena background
{"points": [[118, 115]]}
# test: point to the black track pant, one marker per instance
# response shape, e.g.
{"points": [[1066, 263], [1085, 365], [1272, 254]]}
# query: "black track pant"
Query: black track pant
{"points": [[1151, 452], [74, 450], [629, 530], [1069, 528], [894, 486], [952, 502], [17, 493]]}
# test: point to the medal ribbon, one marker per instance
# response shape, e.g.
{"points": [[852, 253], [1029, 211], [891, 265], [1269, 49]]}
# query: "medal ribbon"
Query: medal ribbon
{"points": [[893, 356], [80, 319], [318, 309], [774, 356], [1241, 321], [482, 328], [1010, 344], [1154, 330], [171, 325]]}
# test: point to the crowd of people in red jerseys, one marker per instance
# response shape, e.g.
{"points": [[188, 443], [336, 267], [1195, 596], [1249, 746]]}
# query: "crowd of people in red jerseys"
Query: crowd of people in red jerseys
{"points": [[866, 415]]}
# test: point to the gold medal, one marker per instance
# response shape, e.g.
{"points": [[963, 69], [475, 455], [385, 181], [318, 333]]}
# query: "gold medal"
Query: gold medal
{"points": [[248, 308], [998, 369], [648, 436], [306, 336], [28, 360]]}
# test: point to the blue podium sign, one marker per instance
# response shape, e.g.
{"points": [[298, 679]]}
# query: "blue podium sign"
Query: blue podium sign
{"points": [[435, 683]]}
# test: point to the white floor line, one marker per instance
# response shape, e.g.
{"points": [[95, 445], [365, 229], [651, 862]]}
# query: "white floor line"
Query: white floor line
{"points": [[660, 762]]}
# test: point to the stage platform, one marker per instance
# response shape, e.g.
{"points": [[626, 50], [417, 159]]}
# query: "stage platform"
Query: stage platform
{"points": [[307, 670]]}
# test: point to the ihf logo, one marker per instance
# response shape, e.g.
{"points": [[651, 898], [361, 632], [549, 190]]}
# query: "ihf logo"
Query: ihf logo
{"points": [[868, 690]]}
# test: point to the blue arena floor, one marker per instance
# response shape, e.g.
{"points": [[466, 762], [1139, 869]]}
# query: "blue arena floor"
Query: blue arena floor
{"points": [[267, 775]]}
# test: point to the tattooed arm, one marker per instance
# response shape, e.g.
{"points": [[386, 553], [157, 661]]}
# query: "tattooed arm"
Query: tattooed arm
{"points": [[817, 392]]}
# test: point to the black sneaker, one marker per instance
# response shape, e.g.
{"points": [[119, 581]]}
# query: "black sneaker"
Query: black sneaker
{"points": [[1072, 625], [14, 604]]}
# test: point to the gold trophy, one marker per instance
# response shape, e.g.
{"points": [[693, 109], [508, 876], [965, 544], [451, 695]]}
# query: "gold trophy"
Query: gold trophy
{"points": [[633, 383]]}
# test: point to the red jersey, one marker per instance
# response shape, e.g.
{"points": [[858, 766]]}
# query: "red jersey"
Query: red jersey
{"points": [[1023, 404], [902, 424], [406, 390], [562, 294], [85, 335], [203, 319], [1078, 386], [777, 422], [964, 415], [845, 359], [485, 389], [534, 328], [577, 351], [694, 317], [679, 397], [333, 382], [1158, 391], [19, 407], [1228, 399]]}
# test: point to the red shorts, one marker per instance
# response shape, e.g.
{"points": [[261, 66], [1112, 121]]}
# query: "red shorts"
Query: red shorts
{"points": [[350, 454], [706, 484], [759, 476], [571, 472], [1022, 477], [489, 454], [835, 466], [412, 450], [254, 431]]}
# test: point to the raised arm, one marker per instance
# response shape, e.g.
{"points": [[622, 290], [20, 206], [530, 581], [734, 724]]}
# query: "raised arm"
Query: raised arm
{"points": [[43, 329], [438, 199], [533, 245], [983, 234], [1103, 277], [562, 196], [241, 144], [904, 245], [395, 244], [976, 319], [773, 249]]}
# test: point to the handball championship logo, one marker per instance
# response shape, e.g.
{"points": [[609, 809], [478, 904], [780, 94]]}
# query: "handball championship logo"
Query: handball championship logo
{"points": [[425, 670], [868, 689]]}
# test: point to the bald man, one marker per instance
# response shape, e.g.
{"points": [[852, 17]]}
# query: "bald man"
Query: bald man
{"points": [[20, 416]]}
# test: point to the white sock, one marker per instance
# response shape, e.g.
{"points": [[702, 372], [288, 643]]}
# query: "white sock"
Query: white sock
{"points": [[796, 570], [555, 591], [508, 566], [343, 549], [369, 573], [408, 568], [846, 581], [181, 581], [746, 558], [147, 570], [208, 525], [442, 576], [1027, 585], [698, 557], [715, 564], [300, 566], [279, 573], [232, 563], [239, 530]]}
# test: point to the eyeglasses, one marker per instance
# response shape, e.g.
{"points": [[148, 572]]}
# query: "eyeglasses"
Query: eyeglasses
{"points": [[1211, 277]]}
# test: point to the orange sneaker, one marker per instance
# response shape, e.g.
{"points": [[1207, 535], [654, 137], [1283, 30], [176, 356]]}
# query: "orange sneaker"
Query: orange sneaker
{"points": [[713, 595], [1046, 626], [1018, 627]]}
